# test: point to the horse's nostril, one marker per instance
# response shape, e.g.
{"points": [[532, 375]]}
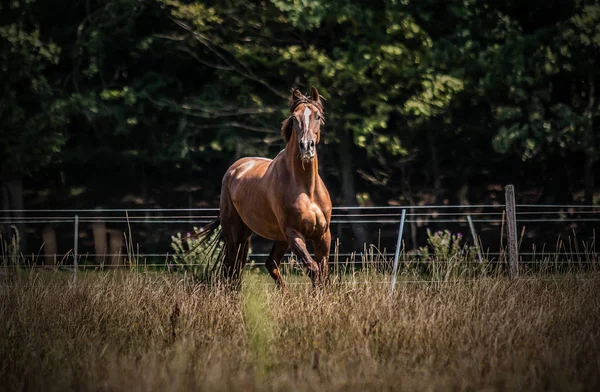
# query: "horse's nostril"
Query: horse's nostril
{"points": [[312, 143]]}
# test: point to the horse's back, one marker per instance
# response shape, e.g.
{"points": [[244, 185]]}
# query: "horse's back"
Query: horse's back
{"points": [[243, 178], [248, 168]]}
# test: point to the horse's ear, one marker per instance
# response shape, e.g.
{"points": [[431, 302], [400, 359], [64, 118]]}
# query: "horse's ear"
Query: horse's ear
{"points": [[296, 96], [314, 95]]}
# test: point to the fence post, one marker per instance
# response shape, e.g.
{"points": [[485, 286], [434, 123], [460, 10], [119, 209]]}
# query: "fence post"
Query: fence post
{"points": [[474, 234], [511, 220], [76, 245], [397, 255]]}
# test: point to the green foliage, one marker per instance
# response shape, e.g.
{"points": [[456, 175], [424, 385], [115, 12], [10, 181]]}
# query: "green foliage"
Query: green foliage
{"points": [[31, 113], [438, 92], [447, 256], [178, 88], [445, 246], [533, 118], [303, 14], [197, 260]]}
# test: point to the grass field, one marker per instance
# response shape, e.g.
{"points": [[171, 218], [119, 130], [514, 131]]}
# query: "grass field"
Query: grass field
{"points": [[143, 332]]}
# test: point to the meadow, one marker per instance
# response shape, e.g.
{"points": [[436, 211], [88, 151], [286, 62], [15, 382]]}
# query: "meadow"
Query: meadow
{"points": [[132, 331]]}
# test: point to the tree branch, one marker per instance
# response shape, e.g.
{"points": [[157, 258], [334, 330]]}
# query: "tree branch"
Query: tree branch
{"points": [[208, 112], [239, 112], [176, 38], [211, 65], [235, 124], [210, 45]]}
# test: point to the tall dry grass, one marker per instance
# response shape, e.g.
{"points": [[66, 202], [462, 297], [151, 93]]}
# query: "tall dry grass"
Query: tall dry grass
{"points": [[129, 332]]}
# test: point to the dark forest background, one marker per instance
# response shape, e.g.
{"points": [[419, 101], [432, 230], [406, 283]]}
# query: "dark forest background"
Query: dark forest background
{"points": [[123, 103]]}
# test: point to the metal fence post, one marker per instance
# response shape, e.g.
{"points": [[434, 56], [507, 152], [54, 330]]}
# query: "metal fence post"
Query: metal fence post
{"points": [[511, 220], [397, 255], [76, 245], [474, 234]]}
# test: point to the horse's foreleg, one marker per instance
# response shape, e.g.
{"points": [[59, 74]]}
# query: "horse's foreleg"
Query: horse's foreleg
{"points": [[297, 242], [272, 263], [322, 248]]}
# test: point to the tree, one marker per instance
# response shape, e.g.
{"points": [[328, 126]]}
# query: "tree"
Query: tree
{"points": [[577, 50], [31, 111]]}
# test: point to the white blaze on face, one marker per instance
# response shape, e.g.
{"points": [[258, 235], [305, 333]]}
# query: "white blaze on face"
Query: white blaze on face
{"points": [[307, 113]]}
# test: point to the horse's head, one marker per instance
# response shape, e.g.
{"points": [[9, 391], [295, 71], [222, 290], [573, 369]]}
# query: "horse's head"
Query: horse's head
{"points": [[304, 122]]}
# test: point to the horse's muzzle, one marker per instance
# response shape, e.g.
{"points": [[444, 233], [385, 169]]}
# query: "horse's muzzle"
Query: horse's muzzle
{"points": [[307, 150], [307, 156]]}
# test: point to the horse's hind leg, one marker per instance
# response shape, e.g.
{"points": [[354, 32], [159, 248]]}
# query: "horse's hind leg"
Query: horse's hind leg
{"points": [[237, 255], [272, 263], [237, 239]]}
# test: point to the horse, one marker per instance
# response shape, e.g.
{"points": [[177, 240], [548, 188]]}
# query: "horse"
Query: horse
{"points": [[281, 199]]}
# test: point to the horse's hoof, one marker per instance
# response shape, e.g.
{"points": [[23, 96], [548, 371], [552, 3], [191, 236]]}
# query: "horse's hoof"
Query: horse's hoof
{"points": [[313, 270]]}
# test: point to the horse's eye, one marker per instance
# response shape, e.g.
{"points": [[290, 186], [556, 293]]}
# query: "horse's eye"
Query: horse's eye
{"points": [[318, 117]]}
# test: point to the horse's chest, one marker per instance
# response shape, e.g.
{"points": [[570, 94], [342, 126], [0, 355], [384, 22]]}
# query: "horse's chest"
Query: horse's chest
{"points": [[313, 221]]}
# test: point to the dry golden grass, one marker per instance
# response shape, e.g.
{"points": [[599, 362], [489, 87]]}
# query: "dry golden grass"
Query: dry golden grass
{"points": [[129, 332]]}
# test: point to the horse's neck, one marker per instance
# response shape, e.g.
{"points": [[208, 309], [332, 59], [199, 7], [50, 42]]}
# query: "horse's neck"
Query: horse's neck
{"points": [[305, 174]]}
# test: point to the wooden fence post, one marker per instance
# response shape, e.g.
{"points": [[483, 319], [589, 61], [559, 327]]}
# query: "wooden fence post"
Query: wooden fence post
{"points": [[511, 220]]}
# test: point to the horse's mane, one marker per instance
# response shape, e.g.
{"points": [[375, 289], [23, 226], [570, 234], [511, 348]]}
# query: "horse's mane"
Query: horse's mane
{"points": [[296, 99]]}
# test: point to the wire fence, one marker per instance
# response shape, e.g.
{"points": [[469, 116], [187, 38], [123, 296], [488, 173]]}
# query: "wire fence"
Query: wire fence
{"points": [[94, 238]]}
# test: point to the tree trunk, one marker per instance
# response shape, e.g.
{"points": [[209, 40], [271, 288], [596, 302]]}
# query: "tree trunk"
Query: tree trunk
{"points": [[144, 183], [435, 166], [115, 247], [589, 148], [557, 183], [12, 199], [406, 191], [348, 189], [589, 177], [6, 215], [100, 241], [50, 246]]}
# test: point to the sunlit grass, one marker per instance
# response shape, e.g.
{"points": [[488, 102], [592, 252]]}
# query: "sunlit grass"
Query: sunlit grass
{"points": [[159, 331]]}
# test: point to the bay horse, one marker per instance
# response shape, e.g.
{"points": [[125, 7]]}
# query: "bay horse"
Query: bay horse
{"points": [[281, 199]]}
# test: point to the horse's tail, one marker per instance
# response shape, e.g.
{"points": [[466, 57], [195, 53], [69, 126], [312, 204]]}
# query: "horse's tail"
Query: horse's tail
{"points": [[210, 238]]}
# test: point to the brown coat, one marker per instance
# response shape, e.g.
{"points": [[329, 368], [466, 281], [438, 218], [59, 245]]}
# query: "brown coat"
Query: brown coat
{"points": [[283, 199]]}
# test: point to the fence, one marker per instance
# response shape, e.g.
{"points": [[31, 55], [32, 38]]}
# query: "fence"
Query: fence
{"points": [[91, 238]]}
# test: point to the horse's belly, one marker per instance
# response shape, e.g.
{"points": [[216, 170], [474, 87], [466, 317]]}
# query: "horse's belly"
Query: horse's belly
{"points": [[253, 206], [261, 220]]}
